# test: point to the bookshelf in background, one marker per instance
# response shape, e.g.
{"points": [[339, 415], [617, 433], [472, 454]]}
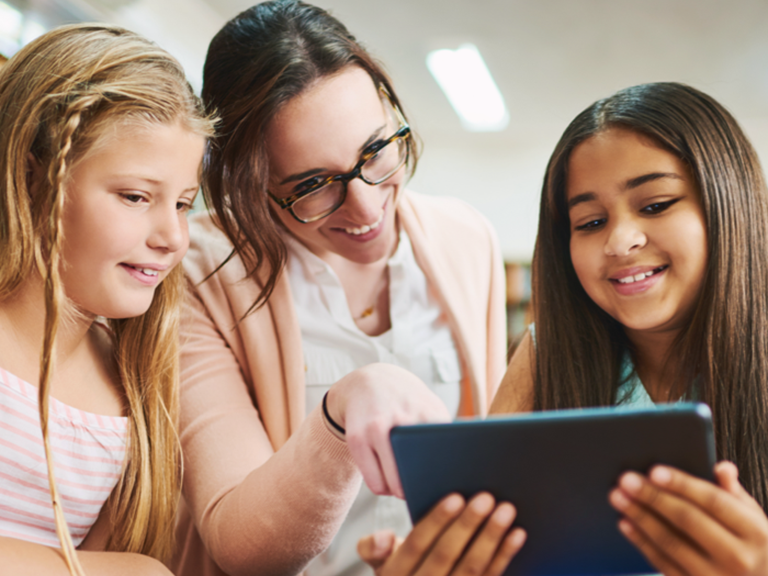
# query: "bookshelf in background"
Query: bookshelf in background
{"points": [[518, 301]]}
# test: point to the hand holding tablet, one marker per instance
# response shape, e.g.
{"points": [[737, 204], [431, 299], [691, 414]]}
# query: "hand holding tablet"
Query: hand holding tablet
{"points": [[685, 525], [436, 546], [558, 469]]}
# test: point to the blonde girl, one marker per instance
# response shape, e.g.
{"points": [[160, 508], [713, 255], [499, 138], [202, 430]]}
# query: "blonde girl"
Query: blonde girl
{"points": [[101, 141], [651, 285]]}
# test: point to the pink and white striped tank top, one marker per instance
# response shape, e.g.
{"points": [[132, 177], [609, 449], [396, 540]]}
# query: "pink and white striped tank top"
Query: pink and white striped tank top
{"points": [[88, 450]]}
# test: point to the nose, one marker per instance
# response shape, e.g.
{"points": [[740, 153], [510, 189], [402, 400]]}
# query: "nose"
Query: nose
{"points": [[624, 237], [169, 232], [363, 202]]}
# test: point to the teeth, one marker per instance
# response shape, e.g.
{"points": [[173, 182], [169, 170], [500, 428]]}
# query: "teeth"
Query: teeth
{"points": [[147, 271], [365, 228], [635, 278]]}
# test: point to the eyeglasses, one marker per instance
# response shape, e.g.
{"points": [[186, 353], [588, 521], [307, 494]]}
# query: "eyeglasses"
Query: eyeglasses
{"points": [[318, 197]]}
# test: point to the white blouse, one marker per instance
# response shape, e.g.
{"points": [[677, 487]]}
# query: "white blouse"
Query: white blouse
{"points": [[419, 340]]}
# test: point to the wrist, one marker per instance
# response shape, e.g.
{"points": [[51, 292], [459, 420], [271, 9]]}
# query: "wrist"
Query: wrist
{"points": [[333, 412]]}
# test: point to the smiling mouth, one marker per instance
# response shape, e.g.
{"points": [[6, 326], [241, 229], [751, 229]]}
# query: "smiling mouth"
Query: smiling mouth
{"points": [[147, 271], [639, 277], [366, 228]]}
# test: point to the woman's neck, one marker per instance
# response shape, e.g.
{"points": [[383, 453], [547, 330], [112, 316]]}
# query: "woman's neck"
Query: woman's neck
{"points": [[655, 365], [366, 287]]}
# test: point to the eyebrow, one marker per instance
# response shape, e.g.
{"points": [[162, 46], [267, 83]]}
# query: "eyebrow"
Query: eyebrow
{"points": [[314, 171], [154, 182], [129, 175], [630, 184]]}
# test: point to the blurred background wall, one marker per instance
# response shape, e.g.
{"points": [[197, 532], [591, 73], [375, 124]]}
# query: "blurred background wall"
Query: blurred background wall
{"points": [[550, 59]]}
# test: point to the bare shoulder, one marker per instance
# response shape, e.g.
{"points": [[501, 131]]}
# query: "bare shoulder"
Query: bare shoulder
{"points": [[515, 393]]}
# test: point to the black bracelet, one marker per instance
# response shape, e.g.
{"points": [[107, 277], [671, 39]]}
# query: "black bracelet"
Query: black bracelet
{"points": [[328, 416]]}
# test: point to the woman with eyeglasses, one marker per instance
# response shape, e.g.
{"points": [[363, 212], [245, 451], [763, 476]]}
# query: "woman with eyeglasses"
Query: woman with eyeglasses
{"points": [[327, 305]]}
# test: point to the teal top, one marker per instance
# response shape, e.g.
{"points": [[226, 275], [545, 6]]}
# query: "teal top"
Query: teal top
{"points": [[632, 392]]}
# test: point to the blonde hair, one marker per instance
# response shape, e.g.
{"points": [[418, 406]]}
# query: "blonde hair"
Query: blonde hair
{"points": [[57, 96]]}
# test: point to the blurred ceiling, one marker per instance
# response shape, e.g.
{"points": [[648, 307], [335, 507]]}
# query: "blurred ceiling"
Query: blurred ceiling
{"points": [[550, 58]]}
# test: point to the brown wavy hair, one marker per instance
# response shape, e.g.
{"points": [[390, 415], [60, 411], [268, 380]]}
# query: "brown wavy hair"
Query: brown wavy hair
{"points": [[723, 352], [58, 96], [258, 62]]}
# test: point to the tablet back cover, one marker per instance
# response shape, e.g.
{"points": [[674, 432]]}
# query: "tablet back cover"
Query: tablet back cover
{"points": [[557, 468]]}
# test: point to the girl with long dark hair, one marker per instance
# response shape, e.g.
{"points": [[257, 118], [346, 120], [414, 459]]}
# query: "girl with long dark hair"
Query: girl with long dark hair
{"points": [[650, 284]]}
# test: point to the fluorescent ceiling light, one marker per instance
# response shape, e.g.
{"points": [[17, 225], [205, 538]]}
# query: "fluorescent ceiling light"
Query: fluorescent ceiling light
{"points": [[10, 22], [31, 30], [469, 87]]}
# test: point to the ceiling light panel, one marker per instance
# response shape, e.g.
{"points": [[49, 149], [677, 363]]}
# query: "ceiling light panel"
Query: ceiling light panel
{"points": [[467, 83]]}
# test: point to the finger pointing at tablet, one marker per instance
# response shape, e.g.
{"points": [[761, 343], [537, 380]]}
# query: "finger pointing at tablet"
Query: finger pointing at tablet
{"points": [[368, 403], [439, 544]]}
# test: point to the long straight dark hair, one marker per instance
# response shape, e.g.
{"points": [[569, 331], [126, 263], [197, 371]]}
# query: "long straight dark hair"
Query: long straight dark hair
{"points": [[258, 61], [723, 351]]}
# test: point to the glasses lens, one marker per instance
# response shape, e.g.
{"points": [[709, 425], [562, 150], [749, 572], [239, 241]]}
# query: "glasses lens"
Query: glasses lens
{"points": [[386, 162], [320, 203]]}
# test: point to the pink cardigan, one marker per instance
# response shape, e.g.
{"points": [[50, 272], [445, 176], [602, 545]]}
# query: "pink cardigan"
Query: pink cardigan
{"points": [[266, 489]]}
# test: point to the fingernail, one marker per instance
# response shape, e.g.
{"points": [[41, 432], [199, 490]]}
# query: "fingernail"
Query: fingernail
{"points": [[482, 504], [453, 503], [379, 541], [625, 527], [504, 514], [661, 475], [631, 482], [618, 500], [518, 537]]}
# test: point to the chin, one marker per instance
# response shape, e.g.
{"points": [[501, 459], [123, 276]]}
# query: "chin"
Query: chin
{"points": [[644, 324], [123, 311], [368, 256]]}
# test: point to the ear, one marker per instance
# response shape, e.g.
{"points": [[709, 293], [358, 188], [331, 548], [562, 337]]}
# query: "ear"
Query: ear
{"points": [[35, 175]]}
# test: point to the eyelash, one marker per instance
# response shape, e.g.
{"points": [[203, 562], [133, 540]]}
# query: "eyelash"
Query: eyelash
{"points": [[650, 210], [660, 206], [373, 147], [308, 184], [133, 198], [181, 206], [591, 225]]}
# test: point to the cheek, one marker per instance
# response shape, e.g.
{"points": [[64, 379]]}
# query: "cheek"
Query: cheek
{"points": [[184, 226], [686, 239]]}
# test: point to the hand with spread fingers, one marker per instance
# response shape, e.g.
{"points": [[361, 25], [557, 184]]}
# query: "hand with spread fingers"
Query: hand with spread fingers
{"points": [[688, 526], [456, 538]]}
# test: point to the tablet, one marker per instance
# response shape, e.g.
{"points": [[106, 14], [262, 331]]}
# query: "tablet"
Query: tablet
{"points": [[557, 468]]}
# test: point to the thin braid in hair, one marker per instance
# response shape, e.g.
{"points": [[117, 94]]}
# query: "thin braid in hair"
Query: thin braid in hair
{"points": [[54, 296]]}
